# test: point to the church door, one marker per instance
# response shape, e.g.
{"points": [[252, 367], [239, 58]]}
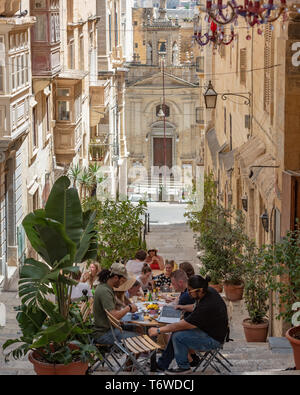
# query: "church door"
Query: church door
{"points": [[158, 152]]}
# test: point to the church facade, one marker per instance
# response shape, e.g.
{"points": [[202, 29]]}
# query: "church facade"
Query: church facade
{"points": [[163, 113]]}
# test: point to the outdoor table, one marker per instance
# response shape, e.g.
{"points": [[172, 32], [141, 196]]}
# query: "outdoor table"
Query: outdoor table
{"points": [[149, 322]]}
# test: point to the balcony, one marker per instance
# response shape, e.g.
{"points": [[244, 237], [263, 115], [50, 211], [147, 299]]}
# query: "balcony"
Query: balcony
{"points": [[67, 142], [117, 56], [14, 120], [99, 93], [45, 44]]}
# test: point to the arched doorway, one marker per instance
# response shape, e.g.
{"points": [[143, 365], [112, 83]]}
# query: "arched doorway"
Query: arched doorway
{"points": [[163, 146]]}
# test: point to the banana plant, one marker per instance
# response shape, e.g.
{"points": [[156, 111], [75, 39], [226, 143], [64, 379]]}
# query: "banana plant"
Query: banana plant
{"points": [[63, 236]]}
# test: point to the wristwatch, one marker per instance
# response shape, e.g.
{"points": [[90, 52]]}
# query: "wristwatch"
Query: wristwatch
{"points": [[158, 331]]}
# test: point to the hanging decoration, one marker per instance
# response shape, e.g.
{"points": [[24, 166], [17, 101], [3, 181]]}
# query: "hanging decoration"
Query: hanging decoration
{"points": [[253, 12], [216, 35]]}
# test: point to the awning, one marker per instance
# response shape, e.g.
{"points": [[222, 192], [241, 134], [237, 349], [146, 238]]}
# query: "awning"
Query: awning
{"points": [[226, 160], [73, 75], [248, 153], [265, 177]]}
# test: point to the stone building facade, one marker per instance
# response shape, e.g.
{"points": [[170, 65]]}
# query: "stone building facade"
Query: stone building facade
{"points": [[159, 80], [115, 48], [48, 78]]}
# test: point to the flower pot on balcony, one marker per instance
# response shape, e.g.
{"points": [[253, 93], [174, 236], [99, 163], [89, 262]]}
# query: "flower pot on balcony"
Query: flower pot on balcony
{"points": [[293, 335], [255, 332]]}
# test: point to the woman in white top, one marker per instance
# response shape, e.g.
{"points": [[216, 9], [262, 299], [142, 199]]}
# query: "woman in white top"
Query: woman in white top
{"points": [[145, 278], [134, 266]]}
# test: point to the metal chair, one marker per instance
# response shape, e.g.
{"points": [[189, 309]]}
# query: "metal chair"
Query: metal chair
{"points": [[214, 357], [131, 348]]}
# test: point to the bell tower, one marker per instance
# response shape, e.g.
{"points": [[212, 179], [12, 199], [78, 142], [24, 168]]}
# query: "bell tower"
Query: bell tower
{"points": [[162, 35]]}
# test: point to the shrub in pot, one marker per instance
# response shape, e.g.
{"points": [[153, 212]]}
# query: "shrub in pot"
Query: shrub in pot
{"points": [[220, 234], [256, 296], [282, 268], [63, 235], [215, 281], [119, 225]]}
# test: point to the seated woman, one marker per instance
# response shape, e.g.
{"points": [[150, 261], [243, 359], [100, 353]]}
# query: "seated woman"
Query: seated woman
{"points": [[123, 294], [164, 279], [90, 276], [120, 293], [134, 291], [188, 268], [145, 278], [156, 262]]}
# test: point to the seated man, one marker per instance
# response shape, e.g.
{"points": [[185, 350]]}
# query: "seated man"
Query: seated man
{"points": [[104, 299], [204, 329], [179, 281]]}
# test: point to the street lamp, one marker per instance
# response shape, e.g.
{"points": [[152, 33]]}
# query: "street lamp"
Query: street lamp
{"points": [[245, 202], [162, 112], [210, 97], [265, 221]]}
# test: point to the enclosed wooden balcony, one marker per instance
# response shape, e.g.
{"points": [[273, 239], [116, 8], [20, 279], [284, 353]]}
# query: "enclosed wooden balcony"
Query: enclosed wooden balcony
{"points": [[99, 93], [45, 44]]}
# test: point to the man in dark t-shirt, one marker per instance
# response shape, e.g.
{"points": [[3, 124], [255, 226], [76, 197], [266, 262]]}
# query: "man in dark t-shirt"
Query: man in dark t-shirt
{"points": [[204, 329]]}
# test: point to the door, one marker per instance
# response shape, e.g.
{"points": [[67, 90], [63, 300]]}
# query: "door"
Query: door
{"points": [[159, 152]]}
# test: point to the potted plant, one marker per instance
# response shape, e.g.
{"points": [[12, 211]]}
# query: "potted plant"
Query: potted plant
{"points": [[119, 225], [223, 242], [256, 296], [54, 333], [221, 236], [282, 268], [215, 281]]}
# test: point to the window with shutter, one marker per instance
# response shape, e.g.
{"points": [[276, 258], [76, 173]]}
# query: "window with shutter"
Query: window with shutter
{"points": [[200, 64], [243, 65], [268, 71]]}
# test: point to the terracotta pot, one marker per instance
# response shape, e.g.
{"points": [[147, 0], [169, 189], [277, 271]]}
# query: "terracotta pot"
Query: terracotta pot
{"points": [[217, 287], [295, 343], [43, 368], [233, 292], [256, 332]]}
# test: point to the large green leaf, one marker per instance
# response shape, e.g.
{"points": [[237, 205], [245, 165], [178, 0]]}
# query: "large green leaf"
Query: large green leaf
{"points": [[30, 320], [57, 333], [63, 205], [48, 238], [34, 283], [87, 242]]}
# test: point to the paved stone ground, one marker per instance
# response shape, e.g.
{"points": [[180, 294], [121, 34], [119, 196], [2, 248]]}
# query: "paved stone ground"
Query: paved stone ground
{"points": [[176, 242]]}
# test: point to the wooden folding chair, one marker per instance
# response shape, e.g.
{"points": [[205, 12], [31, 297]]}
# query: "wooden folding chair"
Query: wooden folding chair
{"points": [[130, 347]]}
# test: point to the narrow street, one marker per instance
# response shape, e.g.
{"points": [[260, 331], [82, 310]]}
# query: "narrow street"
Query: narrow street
{"points": [[175, 241]]}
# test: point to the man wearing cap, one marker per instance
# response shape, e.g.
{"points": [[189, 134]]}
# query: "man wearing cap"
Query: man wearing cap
{"points": [[104, 299]]}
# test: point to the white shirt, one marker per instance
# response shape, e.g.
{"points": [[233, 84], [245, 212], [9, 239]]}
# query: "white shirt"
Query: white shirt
{"points": [[134, 267], [77, 290]]}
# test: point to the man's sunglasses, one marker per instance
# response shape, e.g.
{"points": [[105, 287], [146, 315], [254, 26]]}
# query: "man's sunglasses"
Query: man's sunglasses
{"points": [[193, 290]]}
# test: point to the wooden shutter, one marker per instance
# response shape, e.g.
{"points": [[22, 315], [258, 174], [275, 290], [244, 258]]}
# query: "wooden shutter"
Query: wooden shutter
{"points": [[243, 65], [268, 72]]}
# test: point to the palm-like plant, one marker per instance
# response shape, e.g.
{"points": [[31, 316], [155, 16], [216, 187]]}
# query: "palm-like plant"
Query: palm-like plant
{"points": [[74, 173], [85, 182], [63, 236]]}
